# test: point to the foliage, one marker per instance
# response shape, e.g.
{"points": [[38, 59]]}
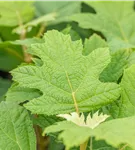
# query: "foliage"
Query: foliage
{"points": [[106, 131], [16, 130], [74, 60], [69, 82]]}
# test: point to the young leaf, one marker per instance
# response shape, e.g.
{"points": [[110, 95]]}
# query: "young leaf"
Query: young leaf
{"points": [[114, 132], [68, 80], [116, 27], [128, 92], [16, 131]]}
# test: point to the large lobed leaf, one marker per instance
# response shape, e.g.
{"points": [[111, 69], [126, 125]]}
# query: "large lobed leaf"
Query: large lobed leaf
{"points": [[16, 131], [68, 80], [117, 27], [115, 132]]}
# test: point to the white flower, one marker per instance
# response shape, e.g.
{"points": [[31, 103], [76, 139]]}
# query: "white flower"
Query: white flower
{"points": [[91, 122], [95, 120]]}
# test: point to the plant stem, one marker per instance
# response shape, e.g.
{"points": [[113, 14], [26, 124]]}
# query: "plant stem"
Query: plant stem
{"points": [[91, 147], [73, 94], [42, 142], [27, 57], [124, 147], [41, 30], [84, 145]]}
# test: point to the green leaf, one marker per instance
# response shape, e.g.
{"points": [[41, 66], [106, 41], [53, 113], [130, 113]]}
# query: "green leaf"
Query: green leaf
{"points": [[15, 13], [74, 35], [115, 68], [28, 41], [10, 55], [101, 145], [107, 8], [6, 34], [54, 145], [45, 121], [20, 94], [131, 59], [128, 92], [4, 85], [43, 20], [62, 10], [118, 27], [114, 132], [16, 131], [67, 79], [113, 109], [93, 43]]}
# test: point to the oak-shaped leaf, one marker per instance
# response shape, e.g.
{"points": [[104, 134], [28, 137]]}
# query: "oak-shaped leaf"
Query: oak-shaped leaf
{"points": [[68, 80]]}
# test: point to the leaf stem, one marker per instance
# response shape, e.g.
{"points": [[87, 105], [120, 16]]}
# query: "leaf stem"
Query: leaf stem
{"points": [[84, 145], [41, 30], [75, 102], [73, 94], [122, 148], [91, 147], [27, 57], [42, 142]]}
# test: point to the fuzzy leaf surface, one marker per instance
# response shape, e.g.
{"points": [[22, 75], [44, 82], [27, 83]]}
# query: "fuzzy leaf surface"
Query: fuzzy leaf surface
{"points": [[67, 79]]}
